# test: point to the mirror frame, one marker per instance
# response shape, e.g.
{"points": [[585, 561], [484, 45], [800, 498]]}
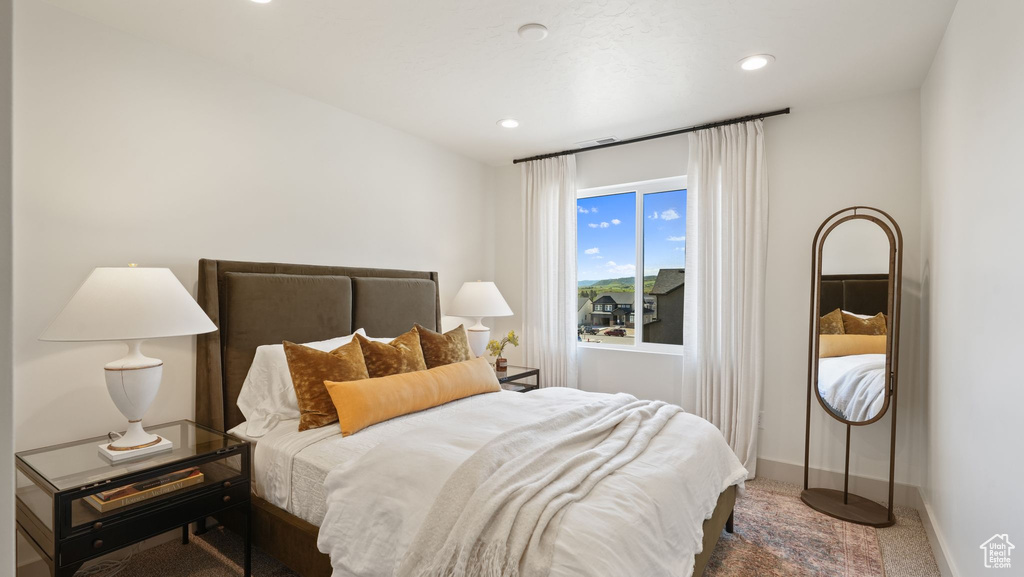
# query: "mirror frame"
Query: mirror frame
{"points": [[895, 236]]}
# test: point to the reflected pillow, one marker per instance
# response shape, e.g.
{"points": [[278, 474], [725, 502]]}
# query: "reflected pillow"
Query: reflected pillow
{"points": [[368, 402], [402, 355], [444, 349], [846, 345], [831, 324], [310, 368], [854, 325]]}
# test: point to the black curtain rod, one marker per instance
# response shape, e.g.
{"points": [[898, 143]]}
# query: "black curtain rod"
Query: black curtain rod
{"points": [[657, 135]]}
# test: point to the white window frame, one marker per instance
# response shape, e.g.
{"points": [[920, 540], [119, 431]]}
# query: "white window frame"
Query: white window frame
{"points": [[641, 188]]}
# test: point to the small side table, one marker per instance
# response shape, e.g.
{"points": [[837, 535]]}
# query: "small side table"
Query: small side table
{"points": [[510, 378], [60, 513]]}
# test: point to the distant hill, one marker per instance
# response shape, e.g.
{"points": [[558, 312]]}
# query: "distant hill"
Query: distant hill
{"points": [[614, 285]]}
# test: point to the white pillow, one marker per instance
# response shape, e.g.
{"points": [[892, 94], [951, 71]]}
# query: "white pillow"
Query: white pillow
{"points": [[858, 315], [267, 395]]}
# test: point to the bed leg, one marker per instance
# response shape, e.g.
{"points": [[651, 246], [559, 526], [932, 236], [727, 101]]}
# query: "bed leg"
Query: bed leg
{"points": [[728, 523]]}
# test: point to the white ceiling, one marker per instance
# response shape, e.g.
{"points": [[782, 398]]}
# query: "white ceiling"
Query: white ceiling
{"points": [[447, 70]]}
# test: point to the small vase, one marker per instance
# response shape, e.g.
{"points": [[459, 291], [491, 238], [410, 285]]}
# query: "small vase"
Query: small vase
{"points": [[501, 364]]}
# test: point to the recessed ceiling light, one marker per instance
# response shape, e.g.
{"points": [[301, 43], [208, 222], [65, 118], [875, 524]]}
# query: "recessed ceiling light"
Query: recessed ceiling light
{"points": [[508, 123], [262, 1], [533, 32], [756, 62]]}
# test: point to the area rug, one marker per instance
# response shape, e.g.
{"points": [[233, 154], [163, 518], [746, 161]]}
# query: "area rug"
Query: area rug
{"points": [[778, 536]]}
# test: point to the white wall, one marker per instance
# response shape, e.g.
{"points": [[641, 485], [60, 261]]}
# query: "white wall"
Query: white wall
{"points": [[129, 151], [819, 161], [856, 247], [972, 204], [6, 404]]}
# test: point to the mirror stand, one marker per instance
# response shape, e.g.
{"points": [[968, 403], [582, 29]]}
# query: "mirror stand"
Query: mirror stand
{"points": [[854, 348]]}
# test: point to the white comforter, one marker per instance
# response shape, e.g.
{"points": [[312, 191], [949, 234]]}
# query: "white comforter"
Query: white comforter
{"points": [[644, 519], [853, 385]]}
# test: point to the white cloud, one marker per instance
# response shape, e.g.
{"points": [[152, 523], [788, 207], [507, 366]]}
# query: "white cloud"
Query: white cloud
{"points": [[594, 250], [654, 215], [592, 225], [593, 209], [669, 214], [583, 210], [680, 248], [676, 239], [604, 225], [616, 221], [623, 269]]}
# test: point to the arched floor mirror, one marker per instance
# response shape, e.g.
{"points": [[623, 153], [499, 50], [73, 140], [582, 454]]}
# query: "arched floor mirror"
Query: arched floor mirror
{"points": [[853, 353]]}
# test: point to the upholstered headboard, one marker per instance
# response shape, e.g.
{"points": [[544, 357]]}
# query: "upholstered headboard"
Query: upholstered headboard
{"points": [[256, 304], [866, 294]]}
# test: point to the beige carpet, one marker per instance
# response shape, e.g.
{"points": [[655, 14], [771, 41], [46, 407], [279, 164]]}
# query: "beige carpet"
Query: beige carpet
{"points": [[776, 535]]}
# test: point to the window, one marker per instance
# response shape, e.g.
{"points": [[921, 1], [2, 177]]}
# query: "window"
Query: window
{"points": [[631, 257]]}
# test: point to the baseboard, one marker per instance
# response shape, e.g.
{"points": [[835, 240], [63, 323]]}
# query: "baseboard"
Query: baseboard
{"points": [[875, 489], [935, 538]]}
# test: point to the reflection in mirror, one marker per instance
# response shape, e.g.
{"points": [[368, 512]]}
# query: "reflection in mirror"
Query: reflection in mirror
{"points": [[854, 303]]}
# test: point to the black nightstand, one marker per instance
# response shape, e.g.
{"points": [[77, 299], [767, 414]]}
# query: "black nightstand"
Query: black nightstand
{"points": [[60, 512], [508, 379]]}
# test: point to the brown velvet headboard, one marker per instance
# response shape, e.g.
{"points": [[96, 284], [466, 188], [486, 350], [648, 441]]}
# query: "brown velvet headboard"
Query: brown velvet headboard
{"points": [[866, 294], [256, 304]]}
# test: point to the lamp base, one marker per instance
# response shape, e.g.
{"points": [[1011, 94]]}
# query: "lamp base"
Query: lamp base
{"points": [[478, 336], [116, 455]]}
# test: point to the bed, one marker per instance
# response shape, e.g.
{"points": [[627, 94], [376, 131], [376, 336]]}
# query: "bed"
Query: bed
{"points": [[854, 386], [256, 304]]}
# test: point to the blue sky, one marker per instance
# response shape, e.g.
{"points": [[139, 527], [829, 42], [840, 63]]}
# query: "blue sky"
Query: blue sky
{"points": [[606, 234]]}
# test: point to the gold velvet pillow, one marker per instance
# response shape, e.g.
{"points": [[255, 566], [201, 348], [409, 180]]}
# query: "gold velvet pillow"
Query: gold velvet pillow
{"points": [[310, 368], [832, 323], [444, 349], [857, 326], [364, 403], [401, 355]]}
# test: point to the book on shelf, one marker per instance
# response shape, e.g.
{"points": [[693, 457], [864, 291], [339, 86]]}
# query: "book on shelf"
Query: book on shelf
{"points": [[143, 490]]}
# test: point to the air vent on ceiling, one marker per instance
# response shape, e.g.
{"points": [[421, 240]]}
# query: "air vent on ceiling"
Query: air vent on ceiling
{"points": [[596, 142]]}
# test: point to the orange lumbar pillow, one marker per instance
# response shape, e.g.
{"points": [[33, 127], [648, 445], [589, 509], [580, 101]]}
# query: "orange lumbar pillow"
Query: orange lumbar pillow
{"points": [[371, 401], [845, 345]]}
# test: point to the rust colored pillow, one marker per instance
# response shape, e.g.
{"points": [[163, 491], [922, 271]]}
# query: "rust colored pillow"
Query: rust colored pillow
{"points": [[402, 355], [870, 326], [364, 403], [444, 349], [310, 368], [832, 323]]}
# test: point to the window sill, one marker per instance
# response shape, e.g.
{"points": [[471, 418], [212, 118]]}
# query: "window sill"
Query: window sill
{"points": [[670, 350]]}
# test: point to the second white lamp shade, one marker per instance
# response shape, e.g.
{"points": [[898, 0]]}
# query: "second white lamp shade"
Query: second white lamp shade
{"points": [[477, 300]]}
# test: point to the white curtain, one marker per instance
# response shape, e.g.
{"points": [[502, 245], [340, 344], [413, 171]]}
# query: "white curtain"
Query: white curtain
{"points": [[549, 276], [723, 320]]}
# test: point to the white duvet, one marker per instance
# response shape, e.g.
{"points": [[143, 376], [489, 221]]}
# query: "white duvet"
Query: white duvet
{"points": [[644, 519], [853, 385]]}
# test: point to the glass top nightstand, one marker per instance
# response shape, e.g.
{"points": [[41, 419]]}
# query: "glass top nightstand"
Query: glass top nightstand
{"points": [[511, 378], [73, 504], [78, 463]]}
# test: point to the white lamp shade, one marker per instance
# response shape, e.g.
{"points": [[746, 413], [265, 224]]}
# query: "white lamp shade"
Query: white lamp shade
{"points": [[479, 299], [120, 304]]}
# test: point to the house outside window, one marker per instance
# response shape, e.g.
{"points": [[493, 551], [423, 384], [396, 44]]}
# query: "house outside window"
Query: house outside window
{"points": [[631, 258]]}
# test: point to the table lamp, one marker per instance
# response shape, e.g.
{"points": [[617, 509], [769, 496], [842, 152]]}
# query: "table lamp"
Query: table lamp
{"points": [[477, 300], [130, 304]]}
